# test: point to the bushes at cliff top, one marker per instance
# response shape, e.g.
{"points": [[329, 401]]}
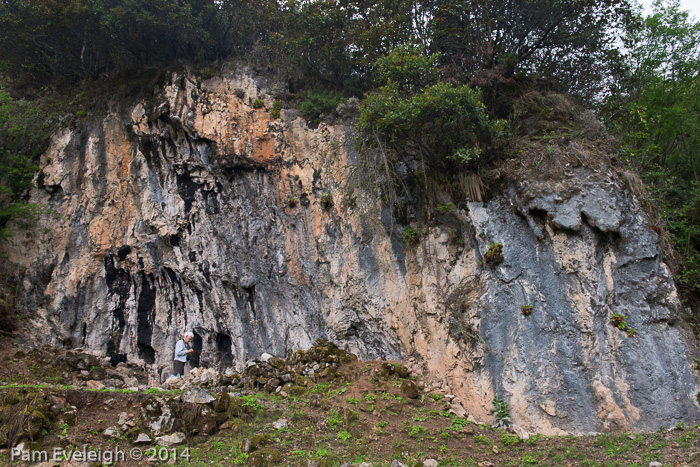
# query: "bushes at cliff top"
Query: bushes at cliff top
{"points": [[442, 122], [59, 42], [433, 126], [416, 114], [317, 103]]}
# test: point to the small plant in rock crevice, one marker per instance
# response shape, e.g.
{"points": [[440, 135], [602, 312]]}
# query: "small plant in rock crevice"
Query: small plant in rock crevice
{"points": [[494, 254], [326, 201], [410, 237], [631, 332], [619, 321], [445, 208], [291, 202], [258, 104], [526, 309], [456, 238], [275, 111]]}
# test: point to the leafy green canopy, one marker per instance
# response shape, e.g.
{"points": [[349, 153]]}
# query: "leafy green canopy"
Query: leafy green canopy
{"points": [[317, 103], [24, 132], [59, 42], [332, 42], [656, 113], [417, 119], [414, 113], [573, 41]]}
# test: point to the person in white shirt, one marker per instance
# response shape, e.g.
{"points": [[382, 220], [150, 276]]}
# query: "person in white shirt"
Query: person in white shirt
{"points": [[182, 351]]}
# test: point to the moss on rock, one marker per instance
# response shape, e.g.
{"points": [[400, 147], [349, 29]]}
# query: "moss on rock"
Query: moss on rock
{"points": [[268, 457]]}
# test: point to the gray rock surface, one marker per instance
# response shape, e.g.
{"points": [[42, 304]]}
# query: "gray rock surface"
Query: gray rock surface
{"points": [[112, 432], [172, 215], [280, 424], [157, 415], [142, 438], [197, 396], [172, 439]]}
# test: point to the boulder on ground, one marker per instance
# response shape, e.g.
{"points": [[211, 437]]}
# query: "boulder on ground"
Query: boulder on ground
{"points": [[280, 424], [198, 396], [171, 439], [143, 438], [112, 432], [92, 384], [157, 415]]}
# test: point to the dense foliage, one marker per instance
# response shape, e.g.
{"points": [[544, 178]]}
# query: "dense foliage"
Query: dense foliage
{"points": [[416, 116], [415, 113], [572, 41], [47, 42], [24, 131], [656, 114], [60, 42]]}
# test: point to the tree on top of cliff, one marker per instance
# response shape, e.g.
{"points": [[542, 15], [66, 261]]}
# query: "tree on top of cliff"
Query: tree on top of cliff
{"points": [[656, 114], [575, 42], [414, 115], [61, 42], [46, 42]]}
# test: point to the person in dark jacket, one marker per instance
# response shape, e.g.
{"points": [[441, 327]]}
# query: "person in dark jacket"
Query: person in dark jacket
{"points": [[182, 351]]}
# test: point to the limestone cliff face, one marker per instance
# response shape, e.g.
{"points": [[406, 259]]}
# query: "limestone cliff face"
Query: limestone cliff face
{"points": [[174, 216]]}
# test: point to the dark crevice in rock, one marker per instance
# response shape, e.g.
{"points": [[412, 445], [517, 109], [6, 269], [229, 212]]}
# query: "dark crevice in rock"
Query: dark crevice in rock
{"points": [[123, 252], [250, 297], [119, 284], [211, 201], [144, 319], [223, 345], [187, 189], [149, 147], [197, 347]]}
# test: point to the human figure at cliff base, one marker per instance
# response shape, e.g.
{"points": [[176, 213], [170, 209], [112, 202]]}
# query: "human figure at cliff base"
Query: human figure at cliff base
{"points": [[182, 351]]}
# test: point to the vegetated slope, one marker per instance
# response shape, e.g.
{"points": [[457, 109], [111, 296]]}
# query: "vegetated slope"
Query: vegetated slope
{"points": [[197, 209], [360, 412]]}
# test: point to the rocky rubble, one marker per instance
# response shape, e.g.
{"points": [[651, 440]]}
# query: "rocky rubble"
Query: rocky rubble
{"points": [[209, 398], [78, 367], [205, 400], [261, 429], [271, 373]]}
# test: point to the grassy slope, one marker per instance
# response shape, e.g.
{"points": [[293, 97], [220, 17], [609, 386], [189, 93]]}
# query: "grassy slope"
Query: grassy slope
{"points": [[358, 416]]}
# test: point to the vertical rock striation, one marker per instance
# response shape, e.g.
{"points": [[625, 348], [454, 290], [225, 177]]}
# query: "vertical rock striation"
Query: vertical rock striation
{"points": [[174, 216]]}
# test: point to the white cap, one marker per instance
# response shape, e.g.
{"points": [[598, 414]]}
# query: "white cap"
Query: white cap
{"points": [[189, 334]]}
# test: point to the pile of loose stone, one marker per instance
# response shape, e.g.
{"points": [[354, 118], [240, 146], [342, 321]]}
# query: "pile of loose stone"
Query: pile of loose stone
{"points": [[87, 369], [210, 400], [271, 373]]}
